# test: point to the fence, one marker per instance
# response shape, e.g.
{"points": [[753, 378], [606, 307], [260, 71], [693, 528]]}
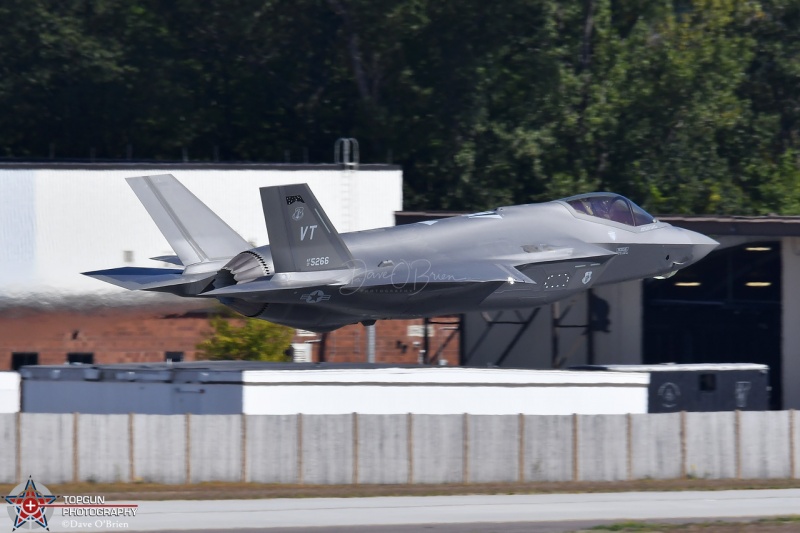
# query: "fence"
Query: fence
{"points": [[344, 449]]}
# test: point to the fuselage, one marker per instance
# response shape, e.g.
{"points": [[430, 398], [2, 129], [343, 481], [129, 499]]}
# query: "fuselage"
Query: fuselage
{"points": [[512, 257]]}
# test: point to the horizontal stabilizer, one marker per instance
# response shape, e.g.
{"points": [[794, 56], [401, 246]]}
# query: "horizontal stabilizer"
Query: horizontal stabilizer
{"points": [[171, 259], [193, 230], [301, 237], [136, 278]]}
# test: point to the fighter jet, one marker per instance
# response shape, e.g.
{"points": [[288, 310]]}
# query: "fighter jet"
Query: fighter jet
{"points": [[314, 278]]}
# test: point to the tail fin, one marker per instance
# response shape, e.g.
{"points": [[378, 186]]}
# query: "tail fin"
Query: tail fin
{"points": [[193, 230], [301, 237]]}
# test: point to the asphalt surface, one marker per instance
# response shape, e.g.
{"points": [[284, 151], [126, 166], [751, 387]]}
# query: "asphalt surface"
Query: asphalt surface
{"points": [[544, 513]]}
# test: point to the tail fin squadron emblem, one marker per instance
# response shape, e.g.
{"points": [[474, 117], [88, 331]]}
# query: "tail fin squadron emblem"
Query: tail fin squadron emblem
{"points": [[587, 277], [294, 198], [298, 213]]}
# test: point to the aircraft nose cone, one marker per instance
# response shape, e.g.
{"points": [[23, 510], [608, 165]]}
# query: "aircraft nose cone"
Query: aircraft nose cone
{"points": [[701, 245]]}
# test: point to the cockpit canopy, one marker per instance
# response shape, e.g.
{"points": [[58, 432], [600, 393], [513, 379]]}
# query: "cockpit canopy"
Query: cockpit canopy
{"points": [[611, 207]]}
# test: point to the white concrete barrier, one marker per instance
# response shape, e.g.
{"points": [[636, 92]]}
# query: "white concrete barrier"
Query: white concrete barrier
{"points": [[272, 449], [104, 451], [548, 448], [711, 445], [327, 448], [47, 447], [656, 451], [373, 449], [8, 443], [602, 448], [159, 448], [215, 448], [383, 449], [493, 448], [438, 448], [764, 444]]}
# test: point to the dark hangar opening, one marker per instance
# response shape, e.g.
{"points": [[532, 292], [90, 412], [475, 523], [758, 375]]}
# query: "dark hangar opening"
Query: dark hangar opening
{"points": [[724, 309]]}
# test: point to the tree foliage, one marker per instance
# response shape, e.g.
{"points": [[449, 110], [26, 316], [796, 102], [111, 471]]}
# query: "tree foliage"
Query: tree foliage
{"points": [[254, 340], [687, 106]]}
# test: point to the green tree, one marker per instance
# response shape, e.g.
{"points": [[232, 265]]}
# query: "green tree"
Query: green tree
{"points": [[688, 106], [254, 340]]}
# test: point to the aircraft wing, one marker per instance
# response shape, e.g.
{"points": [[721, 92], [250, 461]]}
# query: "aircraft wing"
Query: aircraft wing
{"points": [[136, 278]]}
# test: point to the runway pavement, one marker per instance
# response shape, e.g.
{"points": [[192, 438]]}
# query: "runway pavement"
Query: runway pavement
{"points": [[508, 513]]}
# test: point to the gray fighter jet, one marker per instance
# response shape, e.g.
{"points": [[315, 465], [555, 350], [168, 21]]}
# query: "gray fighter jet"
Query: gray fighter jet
{"points": [[312, 277]]}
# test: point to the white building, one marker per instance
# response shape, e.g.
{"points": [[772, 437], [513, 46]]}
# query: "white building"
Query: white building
{"points": [[59, 220]]}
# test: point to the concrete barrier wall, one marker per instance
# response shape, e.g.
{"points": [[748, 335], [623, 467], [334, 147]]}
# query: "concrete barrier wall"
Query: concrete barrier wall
{"points": [[493, 444], [383, 449], [386, 449], [764, 440], [215, 448], [47, 447], [272, 444], [711, 450], [602, 448], [104, 448], [8, 443], [548, 448], [159, 448], [438, 448], [327, 447], [656, 450]]}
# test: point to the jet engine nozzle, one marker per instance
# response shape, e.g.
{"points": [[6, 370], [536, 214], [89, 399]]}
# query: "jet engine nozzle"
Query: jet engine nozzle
{"points": [[245, 267]]}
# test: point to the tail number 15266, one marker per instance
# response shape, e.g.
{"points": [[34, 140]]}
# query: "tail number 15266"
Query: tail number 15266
{"points": [[316, 261]]}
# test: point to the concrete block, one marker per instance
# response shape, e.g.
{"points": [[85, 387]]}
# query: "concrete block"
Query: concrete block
{"points": [[548, 451], [764, 444], [602, 447], [493, 448], [327, 449], [215, 448], [159, 448], [794, 423], [8, 443], [711, 445], [104, 452], [46, 443], [383, 449], [272, 448], [656, 446], [438, 448]]}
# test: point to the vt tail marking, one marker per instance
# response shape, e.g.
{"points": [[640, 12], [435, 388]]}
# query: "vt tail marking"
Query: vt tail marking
{"points": [[304, 231]]}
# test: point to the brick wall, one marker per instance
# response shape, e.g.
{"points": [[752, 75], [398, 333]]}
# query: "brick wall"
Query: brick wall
{"points": [[113, 336], [144, 335], [396, 341]]}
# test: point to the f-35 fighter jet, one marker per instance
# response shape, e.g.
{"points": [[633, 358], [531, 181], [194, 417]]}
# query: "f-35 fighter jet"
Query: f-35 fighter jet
{"points": [[312, 277]]}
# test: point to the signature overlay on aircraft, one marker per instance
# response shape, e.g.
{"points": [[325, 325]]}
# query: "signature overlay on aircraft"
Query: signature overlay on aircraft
{"points": [[411, 277]]}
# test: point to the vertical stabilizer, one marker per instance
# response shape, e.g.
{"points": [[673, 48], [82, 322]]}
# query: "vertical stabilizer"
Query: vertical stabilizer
{"points": [[301, 237], [193, 230]]}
